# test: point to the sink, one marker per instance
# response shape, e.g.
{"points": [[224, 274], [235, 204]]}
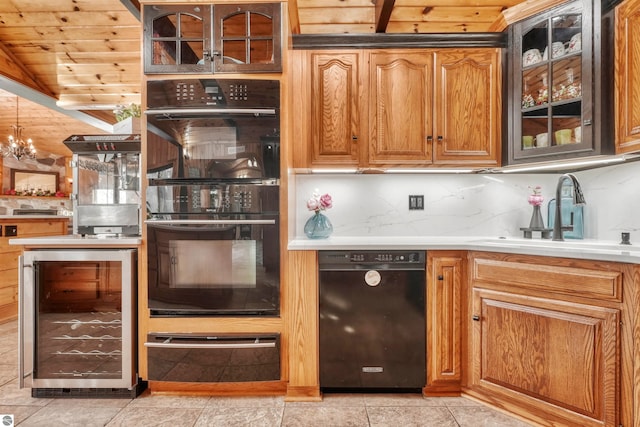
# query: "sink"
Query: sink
{"points": [[577, 245]]}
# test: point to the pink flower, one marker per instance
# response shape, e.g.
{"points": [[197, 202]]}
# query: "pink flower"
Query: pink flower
{"points": [[535, 198], [319, 203], [313, 204], [326, 202]]}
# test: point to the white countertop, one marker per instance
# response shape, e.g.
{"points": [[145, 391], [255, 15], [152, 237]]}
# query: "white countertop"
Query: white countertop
{"points": [[579, 249], [28, 217], [76, 240]]}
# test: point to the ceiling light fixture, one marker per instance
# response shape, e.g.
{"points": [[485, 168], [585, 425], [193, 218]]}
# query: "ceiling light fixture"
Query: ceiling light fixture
{"points": [[16, 146]]}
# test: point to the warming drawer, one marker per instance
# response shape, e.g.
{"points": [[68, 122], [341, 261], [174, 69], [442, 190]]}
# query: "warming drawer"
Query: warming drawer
{"points": [[213, 357]]}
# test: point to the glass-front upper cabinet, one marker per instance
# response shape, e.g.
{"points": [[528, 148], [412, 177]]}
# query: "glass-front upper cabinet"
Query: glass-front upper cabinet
{"points": [[229, 38], [248, 37], [177, 38], [553, 114]]}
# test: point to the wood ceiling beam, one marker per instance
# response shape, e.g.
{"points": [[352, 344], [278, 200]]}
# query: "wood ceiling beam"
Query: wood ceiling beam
{"points": [[383, 14], [132, 6], [51, 103], [13, 69]]}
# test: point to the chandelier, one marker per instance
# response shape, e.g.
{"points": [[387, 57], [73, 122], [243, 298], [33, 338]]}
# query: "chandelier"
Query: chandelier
{"points": [[16, 146]]}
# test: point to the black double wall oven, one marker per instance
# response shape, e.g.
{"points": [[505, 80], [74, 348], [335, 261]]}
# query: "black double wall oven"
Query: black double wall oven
{"points": [[213, 220]]}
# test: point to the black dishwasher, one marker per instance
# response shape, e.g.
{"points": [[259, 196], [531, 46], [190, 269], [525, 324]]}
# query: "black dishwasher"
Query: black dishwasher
{"points": [[372, 319]]}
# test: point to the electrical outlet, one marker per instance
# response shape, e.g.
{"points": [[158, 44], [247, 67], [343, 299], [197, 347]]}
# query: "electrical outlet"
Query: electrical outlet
{"points": [[416, 202]]}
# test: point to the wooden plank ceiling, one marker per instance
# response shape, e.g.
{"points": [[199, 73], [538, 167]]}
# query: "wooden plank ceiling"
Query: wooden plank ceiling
{"points": [[85, 54]]}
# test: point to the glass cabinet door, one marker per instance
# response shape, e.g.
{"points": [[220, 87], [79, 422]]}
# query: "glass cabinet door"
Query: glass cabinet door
{"points": [[177, 39], [212, 38], [551, 68], [247, 37]]}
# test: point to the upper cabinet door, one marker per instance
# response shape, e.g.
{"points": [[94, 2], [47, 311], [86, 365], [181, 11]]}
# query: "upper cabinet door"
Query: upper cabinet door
{"points": [[239, 38], [248, 38], [335, 107], [401, 108], [627, 79], [467, 107], [554, 64], [177, 39]]}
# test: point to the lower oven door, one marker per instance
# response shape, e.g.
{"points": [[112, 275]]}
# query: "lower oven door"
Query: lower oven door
{"points": [[213, 358], [213, 267]]}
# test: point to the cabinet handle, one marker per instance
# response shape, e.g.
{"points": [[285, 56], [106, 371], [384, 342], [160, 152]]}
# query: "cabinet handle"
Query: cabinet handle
{"points": [[440, 138], [440, 277], [586, 122], [354, 138], [429, 138], [476, 318]]}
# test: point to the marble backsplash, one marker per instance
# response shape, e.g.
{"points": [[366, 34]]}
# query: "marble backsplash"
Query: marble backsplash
{"points": [[468, 205]]}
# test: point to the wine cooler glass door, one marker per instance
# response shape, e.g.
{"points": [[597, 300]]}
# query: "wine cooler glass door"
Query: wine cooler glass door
{"points": [[77, 318]]}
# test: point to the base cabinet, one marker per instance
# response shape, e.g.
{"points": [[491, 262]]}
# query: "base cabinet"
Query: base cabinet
{"points": [[559, 358], [22, 227], [445, 273], [546, 338]]}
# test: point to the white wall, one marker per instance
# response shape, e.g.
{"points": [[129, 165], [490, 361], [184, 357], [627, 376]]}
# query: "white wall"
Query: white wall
{"points": [[468, 205]]}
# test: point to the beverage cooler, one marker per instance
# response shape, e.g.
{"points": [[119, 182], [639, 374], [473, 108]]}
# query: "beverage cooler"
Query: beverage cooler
{"points": [[77, 323]]}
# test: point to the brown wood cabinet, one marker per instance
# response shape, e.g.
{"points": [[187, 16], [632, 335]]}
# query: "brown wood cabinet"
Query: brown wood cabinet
{"points": [[212, 38], [437, 107], [627, 77], [445, 273], [336, 117], [398, 107], [546, 338], [26, 227]]}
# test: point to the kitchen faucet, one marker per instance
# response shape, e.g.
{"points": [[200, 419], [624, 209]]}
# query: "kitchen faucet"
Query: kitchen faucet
{"points": [[578, 199]]}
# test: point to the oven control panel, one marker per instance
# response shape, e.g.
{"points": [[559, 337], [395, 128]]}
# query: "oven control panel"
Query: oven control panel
{"points": [[220, 93]]}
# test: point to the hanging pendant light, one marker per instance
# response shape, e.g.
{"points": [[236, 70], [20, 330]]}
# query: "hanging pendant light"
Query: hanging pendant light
{"points": [[16, 145]]}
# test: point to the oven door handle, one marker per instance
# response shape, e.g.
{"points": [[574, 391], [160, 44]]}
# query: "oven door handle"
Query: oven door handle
{"points": [[211, 221], [169, 112], [211, 346]]}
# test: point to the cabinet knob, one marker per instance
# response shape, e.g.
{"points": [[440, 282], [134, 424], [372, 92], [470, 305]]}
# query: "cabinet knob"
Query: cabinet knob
{"points": [[476, 318], [354, 137], [440, 138], [586, 122], [429, 138], [440, 277]]}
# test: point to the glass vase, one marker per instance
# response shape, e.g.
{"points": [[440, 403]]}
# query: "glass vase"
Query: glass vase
{"points": [[318, 227]]}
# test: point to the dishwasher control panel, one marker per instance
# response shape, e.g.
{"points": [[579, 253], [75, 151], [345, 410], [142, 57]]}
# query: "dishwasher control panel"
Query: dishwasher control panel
{"points": [[371, 257]]}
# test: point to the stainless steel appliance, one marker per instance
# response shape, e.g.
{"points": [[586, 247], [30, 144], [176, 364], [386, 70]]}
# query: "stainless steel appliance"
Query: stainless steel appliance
{"points": [[106, 184], [77, 323], [372, 319], [213, 197]]}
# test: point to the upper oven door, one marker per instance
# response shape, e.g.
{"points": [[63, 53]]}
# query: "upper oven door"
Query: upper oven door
{"points": [[214, 128]]}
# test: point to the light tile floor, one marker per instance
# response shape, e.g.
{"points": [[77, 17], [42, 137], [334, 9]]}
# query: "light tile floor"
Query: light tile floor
{"points": [[176, 411]]}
